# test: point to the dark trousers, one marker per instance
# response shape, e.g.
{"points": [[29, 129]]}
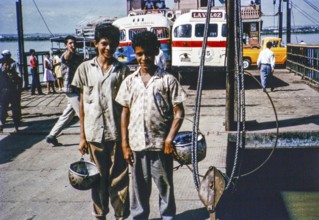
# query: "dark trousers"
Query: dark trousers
{"points": [[148, 166], [35, 81], [10, 97]]}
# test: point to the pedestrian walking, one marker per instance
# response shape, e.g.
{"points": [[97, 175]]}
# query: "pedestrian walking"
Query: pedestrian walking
{"points": [[98, 81], [70, 61], [10, 88], [34, 65], [152, 101], [266, 64]]}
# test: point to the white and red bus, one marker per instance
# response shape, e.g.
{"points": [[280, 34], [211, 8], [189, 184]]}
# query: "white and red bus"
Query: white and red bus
{"points": [[131, 25], [187, 40]]}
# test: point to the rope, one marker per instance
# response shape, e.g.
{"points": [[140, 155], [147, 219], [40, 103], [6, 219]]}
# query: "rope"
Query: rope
{"points": [[43, 18], [277, 134], [228, 179], [198, 99], [240, 105]]}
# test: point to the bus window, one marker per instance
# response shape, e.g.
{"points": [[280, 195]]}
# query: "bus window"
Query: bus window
{"points": [[224, 30], [161, 32], [184, 30], [132, 32], [122, 35], [212, 30]]}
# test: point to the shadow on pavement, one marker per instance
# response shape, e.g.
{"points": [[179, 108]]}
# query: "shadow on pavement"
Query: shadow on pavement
{"points": [[218, 82], [255, 126], [260, 195], [14, 144]]}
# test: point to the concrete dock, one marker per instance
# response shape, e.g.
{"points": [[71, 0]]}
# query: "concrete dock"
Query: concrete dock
{"points": [[33, 175]]}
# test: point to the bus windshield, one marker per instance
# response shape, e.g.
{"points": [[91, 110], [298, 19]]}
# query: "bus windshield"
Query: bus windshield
{"points": [[132, 32], [161, 32], [184, 30], [212, 30]]}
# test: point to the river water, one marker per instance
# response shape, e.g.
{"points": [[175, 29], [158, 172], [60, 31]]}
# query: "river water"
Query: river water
{"points": [[46, 45]]}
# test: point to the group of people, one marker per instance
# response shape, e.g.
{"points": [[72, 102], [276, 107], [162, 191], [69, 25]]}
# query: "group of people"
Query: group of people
{"points": [[10, 90], [52, 72], [125, 120], [160, 4], [11, 83]]}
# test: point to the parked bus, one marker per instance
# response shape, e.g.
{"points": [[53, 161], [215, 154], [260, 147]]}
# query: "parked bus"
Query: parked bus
{"points": [[187, 40], [131, 25]]}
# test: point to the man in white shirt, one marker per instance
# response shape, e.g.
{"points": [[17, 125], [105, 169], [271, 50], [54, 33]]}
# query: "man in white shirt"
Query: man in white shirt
{"points": [[266, 63], [160, 60]]}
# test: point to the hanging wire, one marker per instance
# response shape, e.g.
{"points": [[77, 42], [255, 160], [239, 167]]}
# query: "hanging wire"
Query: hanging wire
{"points": [[277, 134], [304, 13], [198, 99], [241, 94], [312, 5], [43, 18]]}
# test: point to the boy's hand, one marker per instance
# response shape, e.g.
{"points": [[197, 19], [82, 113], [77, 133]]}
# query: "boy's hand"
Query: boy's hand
{"points": [[168, 147], [128, 155], [83, 147]]}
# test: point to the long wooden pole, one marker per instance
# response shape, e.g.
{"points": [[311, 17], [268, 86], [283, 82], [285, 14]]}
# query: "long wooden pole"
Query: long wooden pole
{"points": [[22, 58], [288, 32], [230, 72]]}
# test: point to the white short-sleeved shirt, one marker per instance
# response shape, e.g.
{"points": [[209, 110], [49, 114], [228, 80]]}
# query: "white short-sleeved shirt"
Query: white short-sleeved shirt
{"points": [[101, 112], [266, 56], [151, 108]]}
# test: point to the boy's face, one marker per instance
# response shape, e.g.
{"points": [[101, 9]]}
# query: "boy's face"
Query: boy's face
{"points": [[145, 57], [70, 45], [105, 47]]}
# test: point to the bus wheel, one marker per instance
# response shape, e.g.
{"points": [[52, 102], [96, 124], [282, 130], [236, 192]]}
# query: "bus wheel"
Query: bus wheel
{"points": [[246, 63]]}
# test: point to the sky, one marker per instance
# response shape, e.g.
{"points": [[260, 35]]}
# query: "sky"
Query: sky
{"points": [[62, 16]]}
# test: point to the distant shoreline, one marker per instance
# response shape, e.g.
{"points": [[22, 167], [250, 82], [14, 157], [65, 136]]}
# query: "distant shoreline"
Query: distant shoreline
{"points": [[25, 39]]}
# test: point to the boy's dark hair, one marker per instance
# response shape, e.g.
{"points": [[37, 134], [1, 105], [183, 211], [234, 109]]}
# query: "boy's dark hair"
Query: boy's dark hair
{"points": [[32, 51], [146, 39], [69, 37], [108, 31]]}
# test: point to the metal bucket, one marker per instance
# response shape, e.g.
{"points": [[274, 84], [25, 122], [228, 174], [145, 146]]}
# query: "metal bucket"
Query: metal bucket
{"points": [[183, 145], [83, 174]]}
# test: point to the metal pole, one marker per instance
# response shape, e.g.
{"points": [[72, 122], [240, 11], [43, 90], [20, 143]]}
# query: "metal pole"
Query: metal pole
{"points": [[22, 57], [288, 21], [230, 72], [280, 19]]}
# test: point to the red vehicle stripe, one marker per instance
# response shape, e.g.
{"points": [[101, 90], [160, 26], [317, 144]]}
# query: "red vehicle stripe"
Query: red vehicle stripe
{"points": [[198, 43], [125, 44]]}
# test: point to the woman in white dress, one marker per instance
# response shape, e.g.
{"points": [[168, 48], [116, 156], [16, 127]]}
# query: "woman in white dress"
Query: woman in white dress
{"points": [[48, 73], [57, 70]]}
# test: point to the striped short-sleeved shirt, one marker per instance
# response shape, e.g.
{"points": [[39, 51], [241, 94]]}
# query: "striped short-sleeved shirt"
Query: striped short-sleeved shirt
{"points": [[151, 108], [101, 112]]}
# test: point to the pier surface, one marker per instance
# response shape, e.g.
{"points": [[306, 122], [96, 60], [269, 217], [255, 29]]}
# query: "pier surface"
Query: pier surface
{"points": [[34, 181]]}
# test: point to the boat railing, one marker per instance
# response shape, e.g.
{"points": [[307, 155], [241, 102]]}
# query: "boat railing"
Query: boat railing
{"points": [[303, 59]]}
